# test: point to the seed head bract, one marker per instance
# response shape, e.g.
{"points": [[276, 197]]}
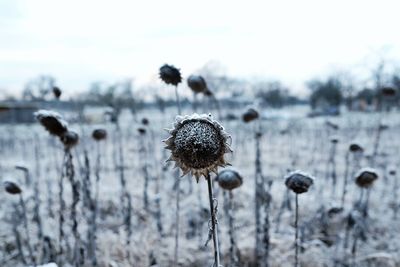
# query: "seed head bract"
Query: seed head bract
{"points": [[198, 144]]}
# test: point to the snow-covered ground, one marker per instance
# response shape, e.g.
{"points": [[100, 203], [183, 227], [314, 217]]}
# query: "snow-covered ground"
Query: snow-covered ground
{"points": [[290, 141]]}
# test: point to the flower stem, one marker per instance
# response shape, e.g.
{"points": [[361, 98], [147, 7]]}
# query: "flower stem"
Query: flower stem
{"points": [[296, 242], [213, 222], [178, 103]]}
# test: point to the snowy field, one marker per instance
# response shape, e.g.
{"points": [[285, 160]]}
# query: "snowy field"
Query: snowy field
{"points": [[144, 235]]}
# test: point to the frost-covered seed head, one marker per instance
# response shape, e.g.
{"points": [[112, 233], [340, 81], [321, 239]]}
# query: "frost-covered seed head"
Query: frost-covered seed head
{"points": [[145, 121], [198, 144], [197, 83], [334, 139], [229, 179], [56, 92], [69, 139], [142, 131], [52, 122], [298, 182], [249, 115], [366, 177], [355, 148], [12, 188], [170, 75], [99, 134]]}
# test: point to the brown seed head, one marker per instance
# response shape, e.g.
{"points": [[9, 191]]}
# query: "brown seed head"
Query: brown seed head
{"points": [[366, 177], [69, 139], [12, 188], [298, 182], [52, 122], [170, 75], [249, 115], [56, 92], [229, 179], [99, 134], [198, 144], [197, 83]]}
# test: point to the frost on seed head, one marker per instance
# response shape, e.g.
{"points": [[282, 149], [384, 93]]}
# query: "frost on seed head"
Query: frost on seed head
{"points": [[52, 122], [198, 144], [366, 177], [229, 179], [298, 181]]}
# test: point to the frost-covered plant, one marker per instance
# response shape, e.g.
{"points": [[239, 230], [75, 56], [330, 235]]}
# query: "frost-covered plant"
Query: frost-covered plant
{"points": [[171, 75], [98, 135], [299, 183], [13, 189], [57, 126], [364, 179], [198, 144], [229, 180], [198, 85]]}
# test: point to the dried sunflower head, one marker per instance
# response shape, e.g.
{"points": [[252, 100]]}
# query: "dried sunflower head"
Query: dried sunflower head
{"points": [[298, 182], [249, 115], [366, 177], [12, 188], [52, 122], [334, 139], [145, 121], [170, 75], [197, 83], [99, 134], [198, 144], [354, 147], [57, 92], [69, 139], [229, 179]]}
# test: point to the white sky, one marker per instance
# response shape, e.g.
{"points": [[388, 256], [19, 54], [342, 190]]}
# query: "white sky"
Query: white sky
{"points": [[80, 41]]}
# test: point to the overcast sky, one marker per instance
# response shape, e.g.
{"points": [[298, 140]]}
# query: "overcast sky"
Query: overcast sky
{"points": [[80, 41]]}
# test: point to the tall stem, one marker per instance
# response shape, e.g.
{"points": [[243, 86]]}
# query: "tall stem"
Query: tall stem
{"points": [[178, 196], [25, 219], [178, 103], [296, 241], [231, 231], [346, 172], [213, 222], [178, 192]]}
